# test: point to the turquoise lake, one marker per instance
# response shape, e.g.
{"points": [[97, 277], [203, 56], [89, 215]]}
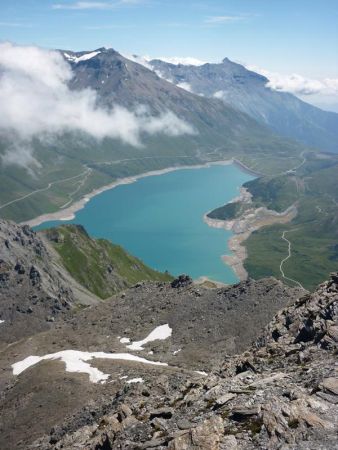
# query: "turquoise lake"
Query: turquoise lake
{"points": [[160, 219]]}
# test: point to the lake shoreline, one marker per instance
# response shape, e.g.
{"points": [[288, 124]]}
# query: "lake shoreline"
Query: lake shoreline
{"points": [[69, 212], [243, 226], [235, 261]]}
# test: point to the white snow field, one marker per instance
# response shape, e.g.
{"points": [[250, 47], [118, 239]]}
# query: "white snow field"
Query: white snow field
{"points": [[76, 361]]}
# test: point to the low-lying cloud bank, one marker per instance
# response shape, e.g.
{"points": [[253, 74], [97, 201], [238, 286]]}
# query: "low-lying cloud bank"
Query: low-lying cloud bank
{"points": [[298, 84], [36, 102]]}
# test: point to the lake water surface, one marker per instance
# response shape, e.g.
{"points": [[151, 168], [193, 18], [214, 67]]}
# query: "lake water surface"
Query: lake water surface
{"points": [[160, 219]]}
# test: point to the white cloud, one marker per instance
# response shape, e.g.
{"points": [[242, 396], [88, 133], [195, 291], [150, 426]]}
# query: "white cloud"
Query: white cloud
{"points": [[303, 86], [84, 5], [143, 60], [107, 27], [297, 84], [218, 20], [228, 19], [176, 60], [36, 103], [95, 5], [20, 153], [186, 61], [15, 25]]}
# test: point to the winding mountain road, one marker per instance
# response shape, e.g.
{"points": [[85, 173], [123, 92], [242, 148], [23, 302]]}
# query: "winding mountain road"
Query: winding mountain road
{"points": [[287, 258], [84, 173], [81, 183]]}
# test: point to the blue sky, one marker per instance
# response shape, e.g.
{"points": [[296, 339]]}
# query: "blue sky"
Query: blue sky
{"points": [[279, 35]]}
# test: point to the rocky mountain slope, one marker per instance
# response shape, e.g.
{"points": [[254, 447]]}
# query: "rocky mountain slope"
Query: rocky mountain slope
{"points": [[246, 91], [34, 288], [280, 393], [169, 365]]}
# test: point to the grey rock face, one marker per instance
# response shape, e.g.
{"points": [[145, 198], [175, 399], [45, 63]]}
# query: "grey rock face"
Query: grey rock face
{"points": [[31, 283]]}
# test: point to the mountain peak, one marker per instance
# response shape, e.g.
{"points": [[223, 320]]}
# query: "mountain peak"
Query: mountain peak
{"points": [[226, 60]]}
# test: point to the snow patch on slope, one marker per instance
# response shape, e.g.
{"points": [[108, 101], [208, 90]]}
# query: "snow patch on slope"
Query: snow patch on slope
{"points": [[84, 57], [76, 361], [135, 380], [184, 85], [158, 334]]}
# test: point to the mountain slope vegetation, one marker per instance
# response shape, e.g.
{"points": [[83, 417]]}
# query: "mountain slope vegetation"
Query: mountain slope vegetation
{"points": [[100, 266]]}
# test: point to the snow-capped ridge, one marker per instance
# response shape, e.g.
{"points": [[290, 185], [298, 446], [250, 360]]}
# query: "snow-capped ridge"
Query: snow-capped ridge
{"points": [[179, 60]]}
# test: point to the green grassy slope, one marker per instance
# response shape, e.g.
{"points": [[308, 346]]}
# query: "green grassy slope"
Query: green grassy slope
{"points": [[227, 212], [314, 231], [102, 267]]}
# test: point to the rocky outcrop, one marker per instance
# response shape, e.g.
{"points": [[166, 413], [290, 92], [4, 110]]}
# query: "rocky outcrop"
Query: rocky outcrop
{"points": [[181, 281], [34, 289], [282, 393]]}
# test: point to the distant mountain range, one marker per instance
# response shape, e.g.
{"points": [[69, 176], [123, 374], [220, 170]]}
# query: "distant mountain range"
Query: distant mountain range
{"points": [[118, 80], [246, 91], [239, 89]]}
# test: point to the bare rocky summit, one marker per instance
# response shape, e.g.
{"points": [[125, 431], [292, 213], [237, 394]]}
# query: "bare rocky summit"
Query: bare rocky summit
{"points": [[282, 393]]}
